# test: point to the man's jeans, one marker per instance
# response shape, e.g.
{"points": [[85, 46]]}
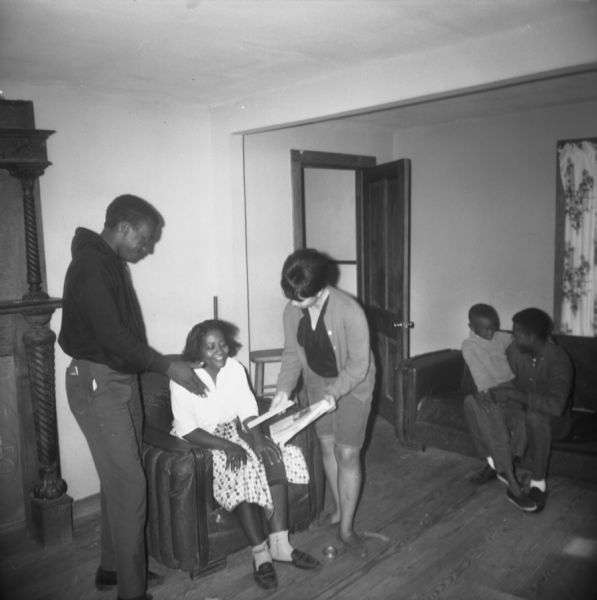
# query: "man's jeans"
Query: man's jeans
{"points": [[107, 406]]}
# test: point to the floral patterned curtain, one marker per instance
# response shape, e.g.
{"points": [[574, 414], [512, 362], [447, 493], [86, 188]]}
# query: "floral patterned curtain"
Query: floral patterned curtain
{"points": [[578, 170]]}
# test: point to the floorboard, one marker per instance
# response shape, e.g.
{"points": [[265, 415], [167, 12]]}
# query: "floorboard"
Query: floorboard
{"points": [[431, 536]]}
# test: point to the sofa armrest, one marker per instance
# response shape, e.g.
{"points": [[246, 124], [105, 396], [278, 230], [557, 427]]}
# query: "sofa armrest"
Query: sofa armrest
{"points": [[436, 372]]}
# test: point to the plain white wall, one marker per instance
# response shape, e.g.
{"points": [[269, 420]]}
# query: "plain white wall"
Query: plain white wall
{"points": [[105, 146], [483, 216]]}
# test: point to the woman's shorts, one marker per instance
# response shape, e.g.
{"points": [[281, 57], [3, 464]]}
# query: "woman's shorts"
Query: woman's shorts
{"points": [[347, 425]]}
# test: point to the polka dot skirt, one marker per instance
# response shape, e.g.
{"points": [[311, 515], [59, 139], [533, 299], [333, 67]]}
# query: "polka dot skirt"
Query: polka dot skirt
{"points": [[249, 483]]}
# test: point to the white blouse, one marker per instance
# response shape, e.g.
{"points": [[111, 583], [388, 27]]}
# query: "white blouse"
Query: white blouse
{"points": [[228, 398]]}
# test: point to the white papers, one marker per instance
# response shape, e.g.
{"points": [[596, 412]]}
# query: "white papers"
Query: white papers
{"points": [[269, 414], [286, 428]]}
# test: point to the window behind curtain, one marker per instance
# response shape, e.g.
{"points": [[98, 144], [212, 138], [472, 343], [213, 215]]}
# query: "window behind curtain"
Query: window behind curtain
{"points": [[576, 238]]}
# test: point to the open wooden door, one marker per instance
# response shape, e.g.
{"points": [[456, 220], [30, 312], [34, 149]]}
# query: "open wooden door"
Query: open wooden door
{"points": [[384, 275]]}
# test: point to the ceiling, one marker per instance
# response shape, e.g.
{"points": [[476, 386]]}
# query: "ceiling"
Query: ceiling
{"points": [[210, 52]]}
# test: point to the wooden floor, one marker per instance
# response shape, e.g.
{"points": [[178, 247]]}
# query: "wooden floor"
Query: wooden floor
{"points": [[431, 535]]}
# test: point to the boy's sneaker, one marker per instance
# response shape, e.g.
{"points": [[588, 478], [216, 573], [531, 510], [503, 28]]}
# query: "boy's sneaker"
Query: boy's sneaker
{"points": [[522, 501], [538, 497], [485, 475], [502, 478]]}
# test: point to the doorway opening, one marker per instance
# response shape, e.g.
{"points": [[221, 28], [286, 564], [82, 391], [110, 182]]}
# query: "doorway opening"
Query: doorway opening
{"points": [[326, 193], [359, 214]]}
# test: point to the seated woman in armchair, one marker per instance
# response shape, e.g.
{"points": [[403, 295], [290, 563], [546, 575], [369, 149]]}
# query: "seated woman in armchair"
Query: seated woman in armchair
{"points": [[251, 472]]}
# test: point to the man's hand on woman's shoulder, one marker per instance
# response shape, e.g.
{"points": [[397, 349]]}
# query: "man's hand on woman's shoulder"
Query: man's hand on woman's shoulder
{"points": [[183, 373]]}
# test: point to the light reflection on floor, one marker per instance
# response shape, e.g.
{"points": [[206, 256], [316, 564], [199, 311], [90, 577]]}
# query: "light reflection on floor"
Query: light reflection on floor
{"points": [[582, 548]]}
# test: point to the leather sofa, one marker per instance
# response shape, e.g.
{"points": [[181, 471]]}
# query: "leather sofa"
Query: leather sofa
{"points": [[434, 385], [187, 530]]}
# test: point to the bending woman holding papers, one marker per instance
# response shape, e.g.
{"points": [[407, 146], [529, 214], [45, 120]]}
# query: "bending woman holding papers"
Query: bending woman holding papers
{"points": [[327, 341], [250, 471]]}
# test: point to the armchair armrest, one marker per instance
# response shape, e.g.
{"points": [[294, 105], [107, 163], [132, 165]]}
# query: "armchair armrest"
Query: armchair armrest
{"points": [[431, 373], [152, 436], [162, 443]]}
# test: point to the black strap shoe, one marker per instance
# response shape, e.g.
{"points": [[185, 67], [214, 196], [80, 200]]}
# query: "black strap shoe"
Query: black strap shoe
{"points": [[265, 576], [301, 560]]}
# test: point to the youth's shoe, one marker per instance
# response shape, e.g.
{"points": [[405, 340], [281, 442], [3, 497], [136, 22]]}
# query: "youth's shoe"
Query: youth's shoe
{"points": [[522, 501], [485, 475], [502, 478], [538, 497]]}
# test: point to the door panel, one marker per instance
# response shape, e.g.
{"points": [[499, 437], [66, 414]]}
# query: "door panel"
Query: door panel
{"points": [[385, 275]]}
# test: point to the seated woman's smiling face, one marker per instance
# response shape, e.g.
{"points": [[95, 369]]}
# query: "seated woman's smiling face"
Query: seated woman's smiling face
{"points": [[214, 350]]}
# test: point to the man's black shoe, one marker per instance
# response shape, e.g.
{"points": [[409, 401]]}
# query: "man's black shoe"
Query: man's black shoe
{"points": [[538, 497], [484, 476], [106, 580]]}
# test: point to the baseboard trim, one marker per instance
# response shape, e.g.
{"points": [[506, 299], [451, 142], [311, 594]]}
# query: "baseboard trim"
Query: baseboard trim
{"points": [[86, 507]]}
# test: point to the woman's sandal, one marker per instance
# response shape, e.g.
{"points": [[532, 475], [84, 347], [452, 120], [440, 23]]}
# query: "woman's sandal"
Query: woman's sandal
{"points": [[301, 560], [355, 545]]}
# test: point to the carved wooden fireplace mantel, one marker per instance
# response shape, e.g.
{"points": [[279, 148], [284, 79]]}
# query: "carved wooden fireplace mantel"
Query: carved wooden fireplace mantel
{"points": [[49, 517]]}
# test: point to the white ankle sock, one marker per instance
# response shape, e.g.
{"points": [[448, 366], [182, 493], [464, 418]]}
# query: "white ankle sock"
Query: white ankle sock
{"points": [[280, 545], [490, 462], [261, 554], [538, 483]]}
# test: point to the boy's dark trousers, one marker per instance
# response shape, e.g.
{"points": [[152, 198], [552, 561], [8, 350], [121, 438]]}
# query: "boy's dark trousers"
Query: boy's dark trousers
{"points": [[499, 432], [492, 434], [107, 406]]}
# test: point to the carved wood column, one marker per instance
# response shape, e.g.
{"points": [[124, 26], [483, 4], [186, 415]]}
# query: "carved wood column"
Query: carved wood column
{"points": [[23, 154]]}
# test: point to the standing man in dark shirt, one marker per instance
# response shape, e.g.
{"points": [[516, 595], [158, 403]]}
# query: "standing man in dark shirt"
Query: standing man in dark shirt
{"points": [[103, 331]]}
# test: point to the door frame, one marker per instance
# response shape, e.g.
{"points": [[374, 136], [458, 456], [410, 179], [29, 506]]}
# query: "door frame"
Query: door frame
{"points": [[311, 159]]}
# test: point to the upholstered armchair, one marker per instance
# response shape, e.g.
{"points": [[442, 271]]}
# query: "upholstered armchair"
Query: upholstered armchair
{"points": [[187, 529]]}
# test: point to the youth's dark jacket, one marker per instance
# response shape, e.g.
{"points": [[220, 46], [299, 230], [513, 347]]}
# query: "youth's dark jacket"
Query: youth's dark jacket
{"points": [[101, 317]]}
